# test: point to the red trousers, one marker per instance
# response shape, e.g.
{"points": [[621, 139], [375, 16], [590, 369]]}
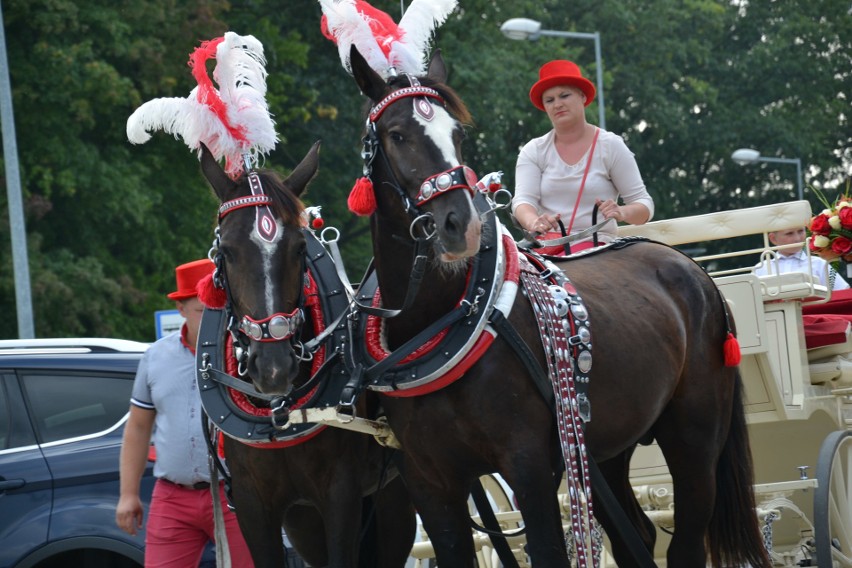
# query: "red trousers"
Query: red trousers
{"points": [[180, 523]]}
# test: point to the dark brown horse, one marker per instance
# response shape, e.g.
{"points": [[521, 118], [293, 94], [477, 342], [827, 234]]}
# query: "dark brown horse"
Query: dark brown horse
{"points": [[658, 326], [316, 489]]}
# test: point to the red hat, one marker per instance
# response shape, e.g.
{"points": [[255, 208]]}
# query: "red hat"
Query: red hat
{"points": [[188, 275], [560, 72]]}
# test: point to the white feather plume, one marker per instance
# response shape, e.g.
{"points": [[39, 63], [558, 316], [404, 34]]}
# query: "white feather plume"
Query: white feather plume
{"points": [[409, 54], [241, 78], [419, 22]]}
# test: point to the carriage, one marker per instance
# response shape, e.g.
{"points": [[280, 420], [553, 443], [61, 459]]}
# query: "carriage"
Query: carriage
{"points": [[798, 400]]}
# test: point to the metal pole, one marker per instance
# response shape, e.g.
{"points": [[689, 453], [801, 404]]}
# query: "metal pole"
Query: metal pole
{"points": [[20, 262], [799, 178], [599, 65], [798, 163]]}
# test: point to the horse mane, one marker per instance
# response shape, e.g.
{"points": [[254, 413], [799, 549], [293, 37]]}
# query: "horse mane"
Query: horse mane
{"points": [[284, 202], [452, 101]]}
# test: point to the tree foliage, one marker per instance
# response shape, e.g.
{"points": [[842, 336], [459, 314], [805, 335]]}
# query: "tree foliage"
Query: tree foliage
{"points": [[686, 83]]}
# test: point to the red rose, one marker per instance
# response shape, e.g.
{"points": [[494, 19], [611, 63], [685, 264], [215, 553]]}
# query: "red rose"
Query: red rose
{"points": [[845, 215], [841, 245], [820, 226]]}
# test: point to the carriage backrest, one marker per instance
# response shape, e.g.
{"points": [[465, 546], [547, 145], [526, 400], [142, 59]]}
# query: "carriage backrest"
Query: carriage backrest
{"points": [[724, 224], [739, 223]]}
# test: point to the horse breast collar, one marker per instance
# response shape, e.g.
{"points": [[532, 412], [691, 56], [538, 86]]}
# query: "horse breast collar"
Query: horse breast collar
{"points": [[232, 411], [442, 353]]}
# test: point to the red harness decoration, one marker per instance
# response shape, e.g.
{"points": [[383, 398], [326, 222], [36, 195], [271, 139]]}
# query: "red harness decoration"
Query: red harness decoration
{"points": [[242, 400]]}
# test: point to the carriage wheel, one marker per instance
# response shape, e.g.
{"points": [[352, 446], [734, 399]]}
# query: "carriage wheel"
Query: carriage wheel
{"points": [[833, 501]]}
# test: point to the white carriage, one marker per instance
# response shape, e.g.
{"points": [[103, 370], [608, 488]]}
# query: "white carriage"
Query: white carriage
{"points": [[798, 402]]}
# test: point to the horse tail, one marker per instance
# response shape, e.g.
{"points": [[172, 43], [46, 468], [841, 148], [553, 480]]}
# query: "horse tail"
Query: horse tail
{"points": [[734, 537]]}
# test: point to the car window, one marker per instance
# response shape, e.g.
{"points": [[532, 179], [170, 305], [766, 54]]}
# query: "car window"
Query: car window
{"points": [[5, 416], [68, 406]]}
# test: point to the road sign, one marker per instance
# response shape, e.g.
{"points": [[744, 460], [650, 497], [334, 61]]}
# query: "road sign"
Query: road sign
{"points": [[167, 321]]}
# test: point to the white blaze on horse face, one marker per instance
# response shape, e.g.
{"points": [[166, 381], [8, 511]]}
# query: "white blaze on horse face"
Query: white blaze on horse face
{"points": [[267, 250], [439, 129]]}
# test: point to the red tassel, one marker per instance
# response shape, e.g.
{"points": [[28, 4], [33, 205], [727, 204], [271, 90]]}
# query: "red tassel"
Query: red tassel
{"points": [[732, 351], [362, 199], [209, 294]]}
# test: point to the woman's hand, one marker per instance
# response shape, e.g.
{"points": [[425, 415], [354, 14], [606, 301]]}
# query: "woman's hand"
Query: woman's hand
{"points": [[544, 223], [611, 210]]}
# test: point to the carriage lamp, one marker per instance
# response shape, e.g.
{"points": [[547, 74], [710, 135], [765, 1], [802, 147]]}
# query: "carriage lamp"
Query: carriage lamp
{"points": [[525, 28], [746, 156]]}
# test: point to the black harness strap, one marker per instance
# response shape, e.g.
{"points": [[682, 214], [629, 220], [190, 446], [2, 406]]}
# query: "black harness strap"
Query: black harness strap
{"points": [[524, 353], [489, 519]]}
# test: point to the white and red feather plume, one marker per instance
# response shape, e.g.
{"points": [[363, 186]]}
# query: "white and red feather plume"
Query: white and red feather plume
{"points": [[233, 120], [383, 43]]}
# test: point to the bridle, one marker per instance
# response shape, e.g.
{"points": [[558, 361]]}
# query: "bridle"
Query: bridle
{"points": [[278, 326], [458, 177]]}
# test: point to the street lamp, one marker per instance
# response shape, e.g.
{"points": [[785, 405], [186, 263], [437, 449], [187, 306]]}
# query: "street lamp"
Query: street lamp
{"points": [[745, 156], [525, 28]]}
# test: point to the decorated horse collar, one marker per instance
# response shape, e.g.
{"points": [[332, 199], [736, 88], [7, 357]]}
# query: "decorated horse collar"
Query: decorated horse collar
{"points": [[441, 353], [230, 408]]}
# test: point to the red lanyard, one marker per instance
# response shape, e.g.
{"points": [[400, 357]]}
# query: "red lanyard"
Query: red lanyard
{"points": [[583, 183]]}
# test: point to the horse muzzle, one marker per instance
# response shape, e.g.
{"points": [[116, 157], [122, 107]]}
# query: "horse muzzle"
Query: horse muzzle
{"points": [[273, 367]]}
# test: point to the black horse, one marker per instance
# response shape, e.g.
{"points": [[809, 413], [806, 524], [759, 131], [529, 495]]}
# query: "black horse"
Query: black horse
{"points": [[320, 482], [658, 327]]}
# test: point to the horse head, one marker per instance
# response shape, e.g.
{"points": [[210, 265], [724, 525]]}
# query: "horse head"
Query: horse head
{"points": [[412, 150], [261, 265]]}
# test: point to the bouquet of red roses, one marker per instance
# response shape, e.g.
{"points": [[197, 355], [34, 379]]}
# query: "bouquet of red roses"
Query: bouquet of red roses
{"points": [[831, 230]]}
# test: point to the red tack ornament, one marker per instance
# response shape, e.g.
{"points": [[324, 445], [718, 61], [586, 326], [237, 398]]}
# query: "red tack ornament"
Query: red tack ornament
{"points": [[317, 223], [362, 198], [733, 356], [210, 295]]}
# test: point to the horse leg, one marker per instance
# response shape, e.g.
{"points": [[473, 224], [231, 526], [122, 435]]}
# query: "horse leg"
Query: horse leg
{"points": [[259, 515], [535, 490], [690, 437], [341, 509], [444, 513], [395, 525], [305, 528], [616, 473]]}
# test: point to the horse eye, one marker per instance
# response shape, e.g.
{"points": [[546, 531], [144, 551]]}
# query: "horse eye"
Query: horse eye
{"points": [[396, 136], [279, 327]]}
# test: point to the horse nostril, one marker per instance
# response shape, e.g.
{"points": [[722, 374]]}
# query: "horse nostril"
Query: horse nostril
{"points": [[453, 224]]}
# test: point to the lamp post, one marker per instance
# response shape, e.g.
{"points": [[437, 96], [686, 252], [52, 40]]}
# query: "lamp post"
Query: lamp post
{"points": [[525, 28], [745, 156]]}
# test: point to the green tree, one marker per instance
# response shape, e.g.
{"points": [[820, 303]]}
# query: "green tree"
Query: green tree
{"points": [[686, 83]]}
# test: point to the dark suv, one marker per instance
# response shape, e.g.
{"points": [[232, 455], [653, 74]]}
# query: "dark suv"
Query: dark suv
{"points": [[63, 405]]}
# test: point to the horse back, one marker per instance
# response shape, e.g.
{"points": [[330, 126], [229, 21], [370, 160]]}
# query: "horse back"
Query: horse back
{"points": [[658, 325]]}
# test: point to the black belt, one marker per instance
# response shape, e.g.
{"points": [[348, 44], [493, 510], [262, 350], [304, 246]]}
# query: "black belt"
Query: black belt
{"points": [[196, 486]]}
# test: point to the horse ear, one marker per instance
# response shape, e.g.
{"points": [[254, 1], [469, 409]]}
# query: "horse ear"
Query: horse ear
{"points": [[298, 180], [437, 70], [370, 83], [216, 176]]}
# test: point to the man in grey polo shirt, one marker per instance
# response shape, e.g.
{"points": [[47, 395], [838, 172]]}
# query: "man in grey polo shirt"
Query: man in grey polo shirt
{"points": [[165, 395]]}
